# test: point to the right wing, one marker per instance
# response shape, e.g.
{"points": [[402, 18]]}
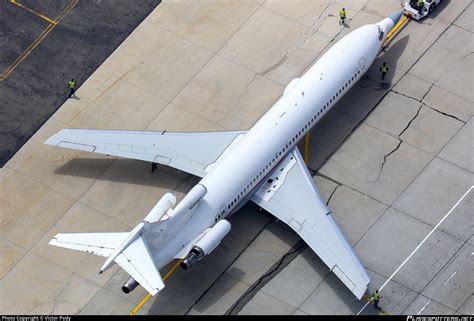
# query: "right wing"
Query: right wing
{"points": [[290, 194], [189, 152]]}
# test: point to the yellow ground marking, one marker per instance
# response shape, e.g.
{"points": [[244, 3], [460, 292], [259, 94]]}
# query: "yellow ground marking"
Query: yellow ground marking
{"points": [[306, 148], [396, 28], [167, 275], [38, 40], [34, 12]]}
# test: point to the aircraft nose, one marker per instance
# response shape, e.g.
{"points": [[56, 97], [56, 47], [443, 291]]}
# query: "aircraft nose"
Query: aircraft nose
{"points": [[395, 17]]}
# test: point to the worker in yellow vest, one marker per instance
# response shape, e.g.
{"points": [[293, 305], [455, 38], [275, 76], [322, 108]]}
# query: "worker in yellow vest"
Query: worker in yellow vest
{"points": [[419, 5], [72, 85], [384, 70], [342, 14], [376, 297]]}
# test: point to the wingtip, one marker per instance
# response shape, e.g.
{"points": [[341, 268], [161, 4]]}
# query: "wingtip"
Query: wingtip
{"points": [[52, 140]]}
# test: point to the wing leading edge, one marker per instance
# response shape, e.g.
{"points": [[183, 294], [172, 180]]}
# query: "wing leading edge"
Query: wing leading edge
{"points": [[189, 152], [291, 196]]}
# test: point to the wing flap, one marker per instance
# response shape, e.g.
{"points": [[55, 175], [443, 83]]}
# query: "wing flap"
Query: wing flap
{"points": [[189, 152], [296, 201]]}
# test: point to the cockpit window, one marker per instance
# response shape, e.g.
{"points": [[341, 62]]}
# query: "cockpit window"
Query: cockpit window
{"points": [[380, 33]]}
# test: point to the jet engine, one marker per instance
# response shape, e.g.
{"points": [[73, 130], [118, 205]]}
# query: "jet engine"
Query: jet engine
{"points": [[130, 285], [164, 204], [207, 243]]}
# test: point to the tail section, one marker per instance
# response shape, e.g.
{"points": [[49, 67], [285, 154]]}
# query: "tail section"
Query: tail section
{"points": [[134, 258], [129, 249]]}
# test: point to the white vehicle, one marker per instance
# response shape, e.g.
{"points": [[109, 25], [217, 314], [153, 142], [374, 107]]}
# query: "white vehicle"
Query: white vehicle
{"points": [[411, 9], [262, 165]]}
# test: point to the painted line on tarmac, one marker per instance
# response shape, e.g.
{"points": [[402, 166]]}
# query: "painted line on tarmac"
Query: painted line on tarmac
{"points": [[424, 307], [38, 40], [167, 275], [34, 12], [419, 245]]}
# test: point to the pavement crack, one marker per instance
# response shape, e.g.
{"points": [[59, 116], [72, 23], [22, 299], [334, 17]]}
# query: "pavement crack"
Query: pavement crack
{"points": [[334, 191], [426, 93], [385, 160], [286, 259], [274, 66], [326, 177], [468, 54], [411, 121], [446, 114]]}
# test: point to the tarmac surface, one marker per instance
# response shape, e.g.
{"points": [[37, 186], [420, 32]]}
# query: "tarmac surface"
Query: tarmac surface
{"points": [[87, 33], [390, 159]]}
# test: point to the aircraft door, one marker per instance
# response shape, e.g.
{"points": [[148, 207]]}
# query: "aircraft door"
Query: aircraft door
{"points": [[363, 65]]}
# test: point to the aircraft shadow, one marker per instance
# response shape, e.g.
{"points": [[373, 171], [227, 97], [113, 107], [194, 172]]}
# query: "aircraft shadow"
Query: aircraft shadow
{"points": [[127, 171]]}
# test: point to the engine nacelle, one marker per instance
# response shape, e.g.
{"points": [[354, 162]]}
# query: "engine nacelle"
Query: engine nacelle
{"points": [[130, 285], [207, 243], [164, 204]]}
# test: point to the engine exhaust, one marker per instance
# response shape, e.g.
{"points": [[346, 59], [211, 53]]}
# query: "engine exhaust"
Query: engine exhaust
{"points": [[194, 255], [130, 285]]}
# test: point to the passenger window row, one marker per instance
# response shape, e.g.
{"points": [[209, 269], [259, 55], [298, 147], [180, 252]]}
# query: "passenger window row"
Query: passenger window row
{"points": [[288, 144]]}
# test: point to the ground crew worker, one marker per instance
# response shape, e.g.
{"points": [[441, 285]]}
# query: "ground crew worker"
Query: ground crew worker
{"points": [[72, 85], [342, 14], [376, 299], [384, 70], [419, 5]]}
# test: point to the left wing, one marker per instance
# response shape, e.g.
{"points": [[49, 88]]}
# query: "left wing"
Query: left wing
{"points": [[189, 152], [290, 194]]}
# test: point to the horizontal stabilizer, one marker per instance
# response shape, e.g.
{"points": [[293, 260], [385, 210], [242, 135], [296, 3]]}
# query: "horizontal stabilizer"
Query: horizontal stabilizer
{"points": [[96, 243], [136, 260]]}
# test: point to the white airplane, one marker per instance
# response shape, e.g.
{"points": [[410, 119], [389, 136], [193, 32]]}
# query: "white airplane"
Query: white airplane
{"points": [[262, 165]]}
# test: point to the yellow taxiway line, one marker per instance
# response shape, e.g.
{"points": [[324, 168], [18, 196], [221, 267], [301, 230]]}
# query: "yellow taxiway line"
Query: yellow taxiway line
{"points": [[167, 275], [43, 34], [34, 12]]}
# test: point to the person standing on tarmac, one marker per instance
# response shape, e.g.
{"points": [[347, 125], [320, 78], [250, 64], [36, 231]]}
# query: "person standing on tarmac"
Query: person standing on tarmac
{"points": [[376, 297], [342, 14], [72, 85], [384, 70]]}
